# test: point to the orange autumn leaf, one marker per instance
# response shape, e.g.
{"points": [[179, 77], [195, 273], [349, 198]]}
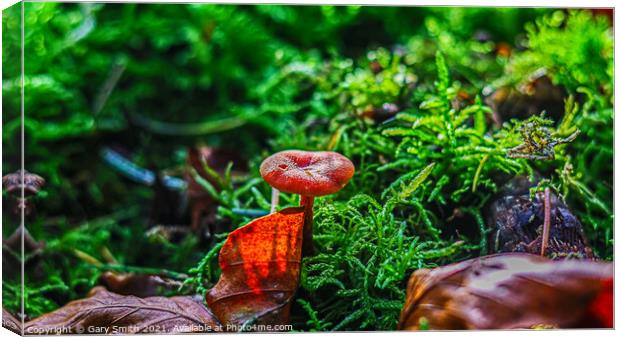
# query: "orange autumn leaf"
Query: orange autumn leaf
{"points": [[260, 265]]}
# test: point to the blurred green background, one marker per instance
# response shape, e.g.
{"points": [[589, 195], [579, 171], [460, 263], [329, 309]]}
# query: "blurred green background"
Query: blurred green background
{"points": [[182, 63]]}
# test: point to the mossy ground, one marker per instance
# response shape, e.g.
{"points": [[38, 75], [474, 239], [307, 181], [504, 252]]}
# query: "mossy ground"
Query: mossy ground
{"points": [[403, 92]]}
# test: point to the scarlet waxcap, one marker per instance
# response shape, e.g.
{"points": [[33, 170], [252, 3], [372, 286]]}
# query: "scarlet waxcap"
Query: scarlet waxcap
{"points": [[307, 173]]}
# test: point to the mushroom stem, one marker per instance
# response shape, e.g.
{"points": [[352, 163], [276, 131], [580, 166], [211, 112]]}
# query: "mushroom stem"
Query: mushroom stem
{"points": [[275, 199], [546, 222], [307, 246]]}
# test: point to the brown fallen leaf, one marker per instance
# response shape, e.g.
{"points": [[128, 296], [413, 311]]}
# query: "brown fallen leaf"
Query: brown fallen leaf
{"points": [[104, 312], [536, 94], [11, 322], [140, 285], [510, 291], [203, 206], [260, 265]]}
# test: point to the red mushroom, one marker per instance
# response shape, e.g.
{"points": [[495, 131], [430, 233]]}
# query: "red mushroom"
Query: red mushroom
{"points": [[309, 174], [22, 185], [31, 183]]}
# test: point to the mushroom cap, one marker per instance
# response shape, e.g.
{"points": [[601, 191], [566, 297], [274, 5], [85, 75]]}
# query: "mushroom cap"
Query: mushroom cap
{"points": [[307, 173], [31, 185]]}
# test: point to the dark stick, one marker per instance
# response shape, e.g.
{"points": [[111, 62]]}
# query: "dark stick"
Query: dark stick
{"points": [[143, 270], [546, 223], [307, 248]]}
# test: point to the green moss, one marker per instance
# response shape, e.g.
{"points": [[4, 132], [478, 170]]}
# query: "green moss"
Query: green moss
{"points": [[405, 103]]}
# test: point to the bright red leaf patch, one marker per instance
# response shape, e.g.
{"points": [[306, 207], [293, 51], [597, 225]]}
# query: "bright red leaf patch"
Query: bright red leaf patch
{"points": [[260, 265]]}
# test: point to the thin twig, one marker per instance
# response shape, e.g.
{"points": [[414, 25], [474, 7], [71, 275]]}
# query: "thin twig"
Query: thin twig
{"points": [[188, 129], [108, 86], [249, 212], [143, 270], [546, 223]]}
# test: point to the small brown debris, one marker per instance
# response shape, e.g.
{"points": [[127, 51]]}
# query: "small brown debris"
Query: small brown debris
{"points": [[517, 224]]}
